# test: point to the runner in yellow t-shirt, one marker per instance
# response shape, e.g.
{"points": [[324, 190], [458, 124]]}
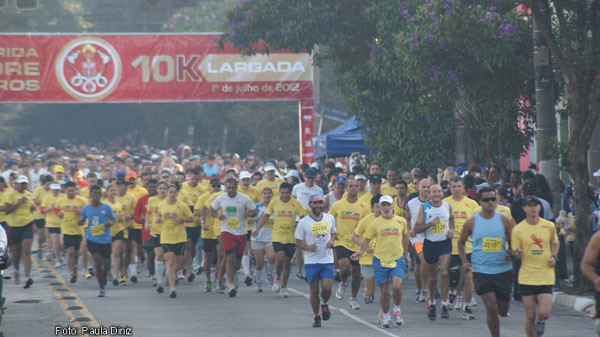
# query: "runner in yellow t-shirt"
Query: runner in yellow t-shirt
{"points": [[53, 223], [535, 242], [155, 229], [39, 220], [117, 233], [69, 211], [270, 181], [128, 202], [348, 212]]}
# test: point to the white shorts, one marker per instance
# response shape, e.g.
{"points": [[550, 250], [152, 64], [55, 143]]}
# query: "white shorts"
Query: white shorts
{"points": [[260, 244], [367, 271]]}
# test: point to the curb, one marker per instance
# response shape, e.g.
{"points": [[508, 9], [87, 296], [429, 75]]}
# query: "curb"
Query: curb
{"points": [[578, 303]]}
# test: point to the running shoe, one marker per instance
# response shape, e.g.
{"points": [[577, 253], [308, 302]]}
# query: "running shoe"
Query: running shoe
{"points": [[325, 312], [354, 304], [385, 322], [91, 271], [451, 300], [398, 317], [248, 281], [418, 296], [276, 285], [134, 278], [40, 254], [317, 322], [271, 279], [445, 313], [284, 293], [172, 294], [231, 290], [221, 288], [17, 278], [299, 276], [424, 297], [259, 287], [115, 281], [29, 283], [459, 303], [208, 286], [48, 256], [467, 313], [180, 275], [369, 299], [473, 302], [123, 280], [380, 318], [431, 312], [101, 293], [86, 275], [341, 290], [58, 264], [191, 277], [73, 276], [540, 326], [160, 289]]}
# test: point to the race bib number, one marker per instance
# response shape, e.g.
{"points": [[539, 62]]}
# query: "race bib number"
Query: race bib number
{"points": [[458, 228], [349, 242], [233, 223], [439, 228], [169, 227], [492, 245], [319, 228], [97, 230], [388, 263], [285, 228], [269, 223]]}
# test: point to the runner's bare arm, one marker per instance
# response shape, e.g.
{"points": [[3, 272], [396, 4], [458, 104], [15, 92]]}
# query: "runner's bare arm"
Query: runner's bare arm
{"points": [[590, 258]]}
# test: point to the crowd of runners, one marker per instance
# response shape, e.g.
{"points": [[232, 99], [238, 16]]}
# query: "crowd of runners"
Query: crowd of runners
{"points": [[110, 214]]}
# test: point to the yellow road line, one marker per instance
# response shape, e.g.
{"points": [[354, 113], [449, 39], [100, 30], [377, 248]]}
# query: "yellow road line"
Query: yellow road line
{"points": [[63, 303]]}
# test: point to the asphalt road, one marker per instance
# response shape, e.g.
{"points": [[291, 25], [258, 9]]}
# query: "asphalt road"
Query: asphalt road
{"points": [[57, 303]]}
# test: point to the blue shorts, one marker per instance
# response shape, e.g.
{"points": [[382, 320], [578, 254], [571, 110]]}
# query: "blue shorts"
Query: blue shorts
{"points": [[383, 275], [318, 271], [432, 250]]}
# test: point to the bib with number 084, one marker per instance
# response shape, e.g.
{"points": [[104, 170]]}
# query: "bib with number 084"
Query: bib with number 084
{"points": [[319, 228], [233, 223], [439, 228], [492, 245], [97, 230], [388, 263]]}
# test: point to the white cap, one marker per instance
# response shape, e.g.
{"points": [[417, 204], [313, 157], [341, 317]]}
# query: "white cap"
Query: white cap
{"points": [[22, 180], [55, 186], [386, 198], [245, 174], [339, 165], [62, 182], [315, 165], [269, 167], [597, 174], [360, 176], [293, 173], [154, 156]]}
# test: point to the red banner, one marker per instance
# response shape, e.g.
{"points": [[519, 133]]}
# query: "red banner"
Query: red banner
{"points": [[150, 68]]}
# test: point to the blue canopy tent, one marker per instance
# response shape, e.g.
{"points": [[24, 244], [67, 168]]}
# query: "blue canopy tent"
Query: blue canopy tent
{"points": [[341, 141]]}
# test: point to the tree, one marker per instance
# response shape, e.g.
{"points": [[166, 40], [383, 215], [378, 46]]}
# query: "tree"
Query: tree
{"points": [[572, 32], [409, 120]]}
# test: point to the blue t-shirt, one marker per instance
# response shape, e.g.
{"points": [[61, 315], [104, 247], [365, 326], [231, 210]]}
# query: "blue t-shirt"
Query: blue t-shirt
{"points": [[97, 231], [210, 171]]}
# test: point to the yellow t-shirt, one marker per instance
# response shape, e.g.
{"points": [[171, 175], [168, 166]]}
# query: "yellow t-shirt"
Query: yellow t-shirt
{"points": [[85, 192], [410, 189], [399, 211], [119, 225], [284, 222], [534, 241], [22, 215], [367, 258], [50, 201], [389, 234], [461, 210], [200, 202], [171, 232], [152, 210], [499, 208], [137, 191], [2, 195], [128, 202], [68, 224], [216, 221], [39, 193], [194, 191], [386, 189], [366, 199], [358, 195], [571, 222], [252, 192], [347, 216], [274, 185]]}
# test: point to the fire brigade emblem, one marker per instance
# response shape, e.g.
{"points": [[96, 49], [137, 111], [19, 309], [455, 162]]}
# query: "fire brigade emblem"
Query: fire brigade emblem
{"points": [[88, 68]]}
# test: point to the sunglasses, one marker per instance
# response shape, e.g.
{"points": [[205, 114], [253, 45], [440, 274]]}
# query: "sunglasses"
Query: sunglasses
{"points": [[165, 177], [215, 185], [488, 199]]}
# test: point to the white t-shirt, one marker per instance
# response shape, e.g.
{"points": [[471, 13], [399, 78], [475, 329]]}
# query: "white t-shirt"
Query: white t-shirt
{"points": [[233, 208], [317, 231], [35, 177], [437, 232], [301, 192], [265, 233], [414, 205]]}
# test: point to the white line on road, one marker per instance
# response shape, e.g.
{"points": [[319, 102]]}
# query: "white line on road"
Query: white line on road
{"points": [[346, 313]]}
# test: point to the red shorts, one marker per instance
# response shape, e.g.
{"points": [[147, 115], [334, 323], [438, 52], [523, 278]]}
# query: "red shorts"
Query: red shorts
{"points": [[233, 243]]}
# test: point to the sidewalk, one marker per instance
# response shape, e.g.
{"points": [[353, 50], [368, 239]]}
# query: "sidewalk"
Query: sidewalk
{"points": [[578, 303]]}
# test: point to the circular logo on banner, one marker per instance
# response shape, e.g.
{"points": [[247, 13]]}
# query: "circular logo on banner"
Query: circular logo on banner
{"points": [[88, 68]]}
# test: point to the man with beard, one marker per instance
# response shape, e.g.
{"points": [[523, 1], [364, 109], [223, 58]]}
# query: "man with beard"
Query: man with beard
{"points": [[315, 235]]}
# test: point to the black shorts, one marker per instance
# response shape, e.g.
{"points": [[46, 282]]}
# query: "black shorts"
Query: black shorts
{"points": [[148, 246], [155, 240], [209, 245], [16, 235], [288, 248], [342, 253], [39, 223], [529, 290], [104, 249], [249, 236], [122, 235], [500, 284], [193, 234], [72, 241], [176, 248], [135, 234], [432, 250], [455, 260], [53, 230]]}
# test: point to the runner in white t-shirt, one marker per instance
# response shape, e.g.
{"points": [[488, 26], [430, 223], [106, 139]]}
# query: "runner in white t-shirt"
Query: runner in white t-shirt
{"points": [[315, 235]]}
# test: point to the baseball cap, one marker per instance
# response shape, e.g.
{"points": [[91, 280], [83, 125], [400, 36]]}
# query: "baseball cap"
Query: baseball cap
{"points": [[310, 173], [360, 177], [315, 165], [269, 167], [339, 180], [292, 173], [315, 197], [375, 178], [597, 174], [530, 199], [215, 181], [55, 186], [131, 174], [59, 168], [22, 180], [386, 198], [245, 175]]}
